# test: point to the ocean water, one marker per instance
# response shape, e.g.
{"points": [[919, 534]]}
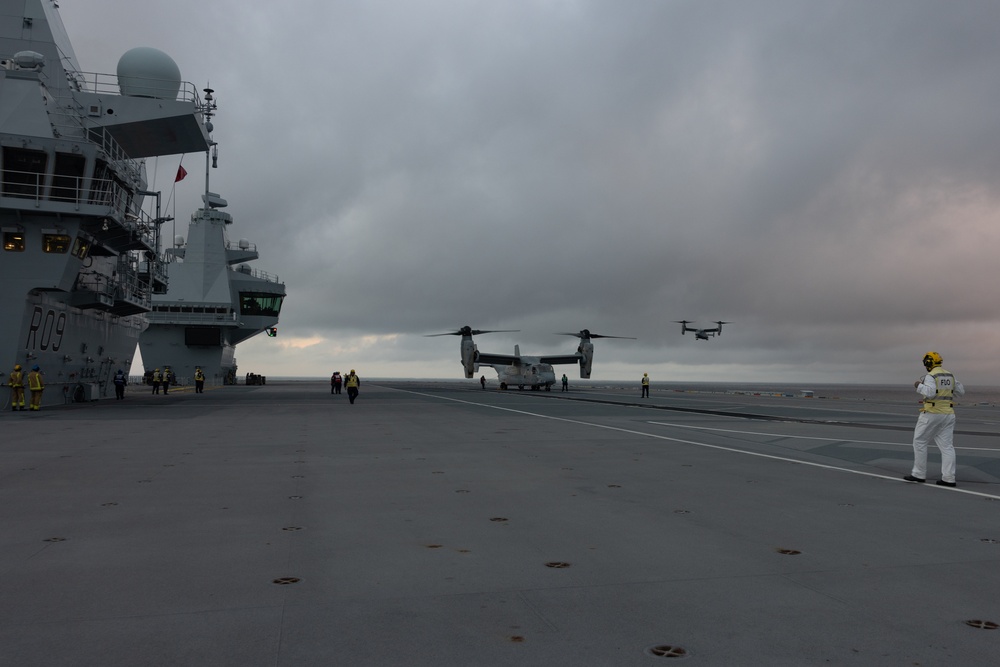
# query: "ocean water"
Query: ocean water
{"points": [[902, 394]]}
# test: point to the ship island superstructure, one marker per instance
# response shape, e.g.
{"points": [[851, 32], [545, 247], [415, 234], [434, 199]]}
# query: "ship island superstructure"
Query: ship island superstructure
{"points": [[81, 258], [215, 300]]}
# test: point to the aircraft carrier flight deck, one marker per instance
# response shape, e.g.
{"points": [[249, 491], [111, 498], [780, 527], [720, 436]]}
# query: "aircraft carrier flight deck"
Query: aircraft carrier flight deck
{"points": [[435, 523]]}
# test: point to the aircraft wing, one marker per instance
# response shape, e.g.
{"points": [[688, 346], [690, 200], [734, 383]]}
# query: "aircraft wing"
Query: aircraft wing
{"points": [[560, 359], [487, 359]]}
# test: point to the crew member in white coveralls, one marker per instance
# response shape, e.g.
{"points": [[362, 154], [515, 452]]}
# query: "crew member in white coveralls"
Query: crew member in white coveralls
{"points": [[936, 421]]}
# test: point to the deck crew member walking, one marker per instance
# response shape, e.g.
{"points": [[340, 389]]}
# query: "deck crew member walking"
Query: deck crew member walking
{"points": [[16, 384], [645, 385], [155, 379], [36, 385], [199, 380], [352, 382], [120, 382], [936, 421]]}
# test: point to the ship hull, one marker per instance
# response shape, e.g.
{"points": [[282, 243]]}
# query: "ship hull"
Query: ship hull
{"points": [[81, 248], [77, 350], [164, 345]]}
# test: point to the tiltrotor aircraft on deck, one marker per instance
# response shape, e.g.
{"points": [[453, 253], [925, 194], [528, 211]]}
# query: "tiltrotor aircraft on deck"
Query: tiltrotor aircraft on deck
{"points": [[522, 370], [701, 334]]}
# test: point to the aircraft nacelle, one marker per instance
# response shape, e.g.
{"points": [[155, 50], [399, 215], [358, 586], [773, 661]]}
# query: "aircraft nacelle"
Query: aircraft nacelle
{"points": [[470, 353], [586, 352]]}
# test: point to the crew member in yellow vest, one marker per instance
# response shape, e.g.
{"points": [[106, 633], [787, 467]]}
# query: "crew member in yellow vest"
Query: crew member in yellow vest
{"points": [[936, 421], [16, 384], [352, 382], [36, 385], [645, 385], [199, 380], [168, 377], [156, 379]]}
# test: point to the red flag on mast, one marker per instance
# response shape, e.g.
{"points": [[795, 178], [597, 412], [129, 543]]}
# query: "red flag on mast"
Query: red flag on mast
{"points": [[181, 173]]}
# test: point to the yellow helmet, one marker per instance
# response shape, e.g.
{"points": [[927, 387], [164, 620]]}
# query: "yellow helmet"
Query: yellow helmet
{"points": [[17, 367], [156, 370], [932, 359], [352, 370]]}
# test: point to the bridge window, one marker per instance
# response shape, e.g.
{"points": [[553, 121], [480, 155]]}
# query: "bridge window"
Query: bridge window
{"points": [[81, 247], [68, 177], [100, 187], [260, 303], [13, 241], [55, 243], [23, 172]]}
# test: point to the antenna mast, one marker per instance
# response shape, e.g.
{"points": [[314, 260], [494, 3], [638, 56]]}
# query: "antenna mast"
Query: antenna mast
{"points": [[208, 108]]}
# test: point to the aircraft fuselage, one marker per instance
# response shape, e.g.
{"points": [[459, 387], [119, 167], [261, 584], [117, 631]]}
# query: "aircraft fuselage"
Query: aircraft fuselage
{"points": [[527, 374]]}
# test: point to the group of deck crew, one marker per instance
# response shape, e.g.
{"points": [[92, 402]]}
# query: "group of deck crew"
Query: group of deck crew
{"points": [[166, 377], [351, 381], [35, 385]]}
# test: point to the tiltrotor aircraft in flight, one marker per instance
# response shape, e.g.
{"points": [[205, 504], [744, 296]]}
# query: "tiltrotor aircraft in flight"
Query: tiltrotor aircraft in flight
{"points": [[522, 370], [701, 334]]}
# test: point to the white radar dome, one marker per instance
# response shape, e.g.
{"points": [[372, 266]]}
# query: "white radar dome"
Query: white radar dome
{"points": [[148, 72], [178, 241]]}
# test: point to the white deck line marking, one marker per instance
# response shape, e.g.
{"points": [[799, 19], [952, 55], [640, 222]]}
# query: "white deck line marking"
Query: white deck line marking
{"points": [[696, 444], [810, 437]]}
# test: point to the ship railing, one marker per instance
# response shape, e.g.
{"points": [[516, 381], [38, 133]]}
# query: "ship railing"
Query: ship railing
{"points": [[67, 122], [124, 286], [159, 270], [256, 273], [129, 284], [72, 190], [246, 246], [215, 319], [108, 84], [98, 283]]}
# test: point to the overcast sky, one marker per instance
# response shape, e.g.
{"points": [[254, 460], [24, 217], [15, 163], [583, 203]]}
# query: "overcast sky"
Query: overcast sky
{"points": [[824, 175]]}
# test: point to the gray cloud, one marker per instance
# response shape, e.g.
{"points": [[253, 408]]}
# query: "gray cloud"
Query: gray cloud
{"points": [[822, 174]]}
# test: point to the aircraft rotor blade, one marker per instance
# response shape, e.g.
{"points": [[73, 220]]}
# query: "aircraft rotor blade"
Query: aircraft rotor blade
{"points": [[469, 331], [607, 336], [586, 334]]}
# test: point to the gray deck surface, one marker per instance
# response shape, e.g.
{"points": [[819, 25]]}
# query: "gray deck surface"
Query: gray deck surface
{"points": [[420, 524]]}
